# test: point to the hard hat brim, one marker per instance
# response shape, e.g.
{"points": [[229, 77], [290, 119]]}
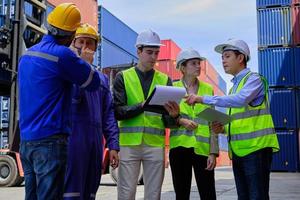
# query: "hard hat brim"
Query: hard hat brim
{"points": [[179, 63], [221, 47], [150, 45]]}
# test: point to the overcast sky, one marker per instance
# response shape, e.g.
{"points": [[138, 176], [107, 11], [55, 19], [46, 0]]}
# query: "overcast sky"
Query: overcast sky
{"points": [[200, 24]]}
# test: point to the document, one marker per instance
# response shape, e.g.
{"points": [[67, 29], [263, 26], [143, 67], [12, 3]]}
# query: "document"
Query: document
{"points": [[161, 95], [211, 115]]}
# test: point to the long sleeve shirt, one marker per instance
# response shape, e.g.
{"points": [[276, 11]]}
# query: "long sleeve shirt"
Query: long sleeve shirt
{"points": [[122, 110], [46, 74], [252, 93]]}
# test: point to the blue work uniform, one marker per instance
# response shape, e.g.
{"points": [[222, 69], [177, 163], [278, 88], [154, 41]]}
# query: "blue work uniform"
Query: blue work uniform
{"points": [[92, 117], [46, 74]]}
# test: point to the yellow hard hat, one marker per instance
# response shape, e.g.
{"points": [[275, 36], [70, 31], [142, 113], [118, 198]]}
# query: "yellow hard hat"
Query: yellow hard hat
{"points": [[65, 16], [87, 30]]}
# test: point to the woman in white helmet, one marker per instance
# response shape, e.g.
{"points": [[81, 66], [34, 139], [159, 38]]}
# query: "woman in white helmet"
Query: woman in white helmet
{"points": [[192, 145]]}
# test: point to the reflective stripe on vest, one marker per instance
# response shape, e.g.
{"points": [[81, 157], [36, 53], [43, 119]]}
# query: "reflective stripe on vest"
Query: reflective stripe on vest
{"points": [[252, 128], [199, 138], [247, 136], [251, 113], [146, 127], [135, 129], [89, 79]]}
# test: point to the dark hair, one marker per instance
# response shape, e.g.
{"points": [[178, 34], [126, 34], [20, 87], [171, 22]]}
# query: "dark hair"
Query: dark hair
{"points": [[237, 53], [142, 47]]}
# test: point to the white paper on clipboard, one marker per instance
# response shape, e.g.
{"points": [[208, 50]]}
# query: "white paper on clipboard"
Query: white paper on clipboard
{"points": [[162, 94], [211, 115]]}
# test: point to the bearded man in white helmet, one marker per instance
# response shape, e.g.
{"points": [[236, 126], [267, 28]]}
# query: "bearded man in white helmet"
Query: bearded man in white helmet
{"points": [[251, 134], [142, 133]]}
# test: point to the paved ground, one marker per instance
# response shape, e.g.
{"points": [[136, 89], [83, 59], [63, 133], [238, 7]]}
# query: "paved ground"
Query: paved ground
{"points": [[284, 186]]}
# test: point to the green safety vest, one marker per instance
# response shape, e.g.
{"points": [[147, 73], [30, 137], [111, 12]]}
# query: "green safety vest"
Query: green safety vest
{"points": [[252, 128], [147, 127], [199, 138]]}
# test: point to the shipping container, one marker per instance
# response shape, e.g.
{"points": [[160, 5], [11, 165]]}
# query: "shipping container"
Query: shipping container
{"points": [[169, 51], [274, 26], [114, 30], [88, 9], [223, 159], [297, 65], [287, 159], [223, 142], [277, 66], [296, 1], [112, 55], [168, 67], [284, 106], [272, 3], [296, 25]]}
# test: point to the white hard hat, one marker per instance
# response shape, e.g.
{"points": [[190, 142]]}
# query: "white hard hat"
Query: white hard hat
{"points": [[187, 54], [232, 44], [148, 38]]}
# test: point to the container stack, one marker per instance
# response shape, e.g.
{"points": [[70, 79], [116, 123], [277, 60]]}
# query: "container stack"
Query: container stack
{"points": [[278, 58], [117, 41]]}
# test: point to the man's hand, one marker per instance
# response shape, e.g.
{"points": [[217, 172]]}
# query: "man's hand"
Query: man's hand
{"points": [[113, 158], [192, 99], [87, 55], [211, 162], [217, 127], [188, 124], [173, 108]]}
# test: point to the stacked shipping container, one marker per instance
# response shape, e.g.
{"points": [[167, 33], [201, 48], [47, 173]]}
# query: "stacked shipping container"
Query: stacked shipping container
{"points": [[117, 41], [278, 57]]}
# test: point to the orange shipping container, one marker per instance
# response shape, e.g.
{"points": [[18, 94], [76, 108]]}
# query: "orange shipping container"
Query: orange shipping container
{"points": [[169, 51], [88, 9], [168, 67]]}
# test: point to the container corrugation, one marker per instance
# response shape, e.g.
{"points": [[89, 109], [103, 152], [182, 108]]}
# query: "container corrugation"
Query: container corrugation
{"points": [[284, 106], [222, 84], [111, 54], [116, 31], [297, 65], [169, 51], [168, 67], [2, 20], [211, 72], [223, 159], [88, 10], [274, 26], [296, 25], [276, 65], [269, 3], [296, 1], [287, 159]]}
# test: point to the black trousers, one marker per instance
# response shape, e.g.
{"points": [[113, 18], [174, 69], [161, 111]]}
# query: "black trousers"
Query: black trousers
{"points": [[182, 160]]}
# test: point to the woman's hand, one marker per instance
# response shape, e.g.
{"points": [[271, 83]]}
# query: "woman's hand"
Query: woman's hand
{"points": [[188, 124], [211, 162]]}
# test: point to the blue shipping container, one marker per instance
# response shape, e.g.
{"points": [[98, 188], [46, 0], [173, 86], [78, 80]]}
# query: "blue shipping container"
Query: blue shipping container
{"points": [[287, 159], [274, 26], [114, 30], [268, 3], [277, 66], [284, 105], [111, 55], [223, 142], [297, 65], [222, 84]]}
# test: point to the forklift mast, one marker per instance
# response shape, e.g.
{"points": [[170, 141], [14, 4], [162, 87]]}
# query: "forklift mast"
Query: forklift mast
{"points": [[24, 27]]}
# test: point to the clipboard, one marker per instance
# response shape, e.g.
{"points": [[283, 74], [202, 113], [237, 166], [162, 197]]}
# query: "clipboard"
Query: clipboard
{"points": [[162, 94], [211, 115]]}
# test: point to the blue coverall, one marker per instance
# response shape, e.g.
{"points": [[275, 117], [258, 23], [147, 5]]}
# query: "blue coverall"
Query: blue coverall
{"points": [[92, 117]]}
